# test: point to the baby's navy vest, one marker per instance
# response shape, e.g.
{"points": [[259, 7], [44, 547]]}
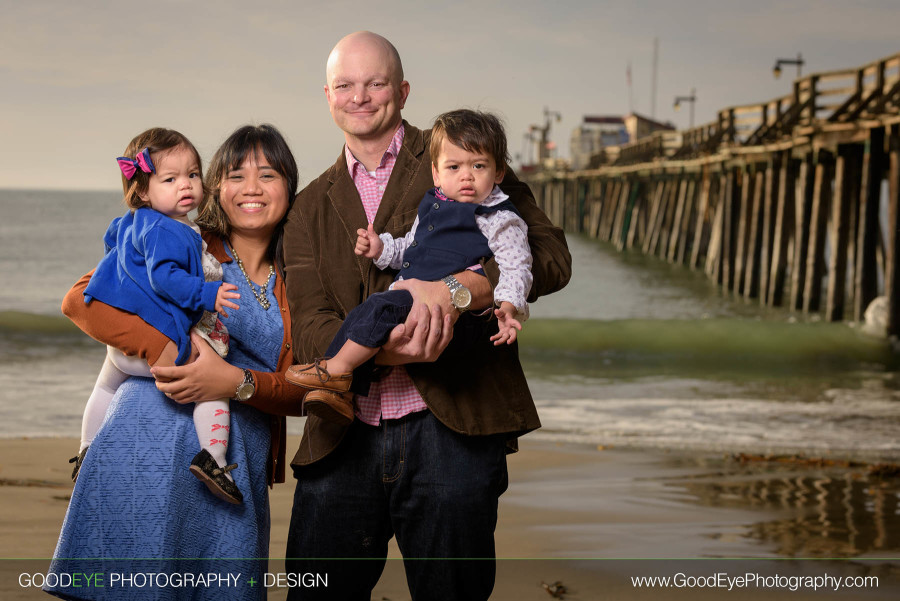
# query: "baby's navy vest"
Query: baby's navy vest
{"points": [[447, 239]]}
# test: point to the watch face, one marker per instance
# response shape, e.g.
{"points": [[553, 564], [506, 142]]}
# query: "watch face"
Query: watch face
{"points": [[245, 391], [462, 298]]}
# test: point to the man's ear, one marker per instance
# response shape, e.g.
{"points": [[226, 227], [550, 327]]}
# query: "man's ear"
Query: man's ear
{"points": [[404, 93]]}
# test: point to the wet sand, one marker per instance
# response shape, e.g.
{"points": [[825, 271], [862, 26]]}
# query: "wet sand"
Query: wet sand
{"points": [[590, 518]]}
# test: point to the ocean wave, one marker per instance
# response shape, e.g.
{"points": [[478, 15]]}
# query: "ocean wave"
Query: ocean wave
{"points": [[844, 426], [704, 343], [21, 322]]}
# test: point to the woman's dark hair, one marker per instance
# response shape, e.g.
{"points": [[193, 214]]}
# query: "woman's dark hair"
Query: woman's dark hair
{"points": [[244, 142], [159, 141]]}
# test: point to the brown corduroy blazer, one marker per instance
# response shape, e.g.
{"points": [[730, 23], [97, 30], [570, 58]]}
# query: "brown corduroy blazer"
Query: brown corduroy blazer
{"points": [[474, 388]]}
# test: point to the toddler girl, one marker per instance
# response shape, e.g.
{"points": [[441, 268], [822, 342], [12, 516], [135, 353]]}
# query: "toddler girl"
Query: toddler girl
{"points": [[156, 266]]}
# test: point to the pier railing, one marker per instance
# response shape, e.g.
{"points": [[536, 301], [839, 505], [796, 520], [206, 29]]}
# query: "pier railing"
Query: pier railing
{"points": [[794, 201]]}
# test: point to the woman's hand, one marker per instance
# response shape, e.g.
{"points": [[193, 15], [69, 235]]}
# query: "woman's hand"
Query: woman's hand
{"points": [[208, 378]]}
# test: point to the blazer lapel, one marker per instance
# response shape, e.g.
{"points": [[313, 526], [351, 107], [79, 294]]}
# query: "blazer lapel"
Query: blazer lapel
{"points": [[345, 199], [403, 176]]}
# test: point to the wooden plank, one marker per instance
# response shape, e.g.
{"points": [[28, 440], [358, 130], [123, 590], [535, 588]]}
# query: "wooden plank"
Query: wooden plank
{"points": [[699, 224], [685, 235], [714, 256], [802, 204], [561, 202], [580, 189], [770, 197], [742, 219], [818, 219], [866, 276], [666, 226], [846, 172], [892, 260], [675, 234], [609, 209], [636, 212], [784, 220], [594, 226], [573, 210], [754, 239], [544, 202], [730, 194], [852, 226], [659, 217], [618, 236], [655, 211]]}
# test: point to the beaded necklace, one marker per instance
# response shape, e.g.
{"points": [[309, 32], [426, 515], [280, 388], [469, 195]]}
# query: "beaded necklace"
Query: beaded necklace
{"points": [[261, 295]]}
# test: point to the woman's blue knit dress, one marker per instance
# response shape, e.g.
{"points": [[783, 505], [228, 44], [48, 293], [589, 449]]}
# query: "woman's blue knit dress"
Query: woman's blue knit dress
{"points": [[137, 515]]}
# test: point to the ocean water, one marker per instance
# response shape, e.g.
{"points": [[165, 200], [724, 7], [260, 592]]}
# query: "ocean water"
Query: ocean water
{"points": [[634, 353]]}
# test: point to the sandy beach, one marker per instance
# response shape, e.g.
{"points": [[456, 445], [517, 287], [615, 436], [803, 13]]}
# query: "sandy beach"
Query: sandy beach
{"points": [[589, 518]]}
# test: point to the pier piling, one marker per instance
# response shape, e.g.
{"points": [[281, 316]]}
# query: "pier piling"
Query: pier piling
{"points": [[780, 203]]}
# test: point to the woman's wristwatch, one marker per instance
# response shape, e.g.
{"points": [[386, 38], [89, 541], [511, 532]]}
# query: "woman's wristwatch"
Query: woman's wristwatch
{"points": [[246, 388]]}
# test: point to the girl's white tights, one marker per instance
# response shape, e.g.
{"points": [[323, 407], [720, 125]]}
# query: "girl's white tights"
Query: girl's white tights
{"points": [[212, 419]]}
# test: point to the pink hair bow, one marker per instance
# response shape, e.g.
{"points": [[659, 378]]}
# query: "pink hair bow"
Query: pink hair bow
{"points": [[142, 161]]}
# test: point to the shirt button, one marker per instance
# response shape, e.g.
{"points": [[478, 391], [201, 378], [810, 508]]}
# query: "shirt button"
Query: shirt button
{"points": [[288, 345], [436, 206], [405, 264], [415, 243], [430, 227]]}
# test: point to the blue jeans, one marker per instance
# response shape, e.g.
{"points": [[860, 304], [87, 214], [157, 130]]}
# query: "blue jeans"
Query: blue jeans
{"points": [[413, 478]]}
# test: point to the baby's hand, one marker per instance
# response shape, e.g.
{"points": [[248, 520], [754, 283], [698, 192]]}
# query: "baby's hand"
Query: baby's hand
{"points": [[507, 323], [222, 296], [368, 244]]}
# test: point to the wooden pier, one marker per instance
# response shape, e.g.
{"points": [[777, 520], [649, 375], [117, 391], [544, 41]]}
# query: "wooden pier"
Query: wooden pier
{"points": [[791, 202]]}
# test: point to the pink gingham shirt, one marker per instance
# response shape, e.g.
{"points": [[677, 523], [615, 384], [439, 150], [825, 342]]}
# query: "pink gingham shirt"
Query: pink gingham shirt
{"points": [[395, 395]]}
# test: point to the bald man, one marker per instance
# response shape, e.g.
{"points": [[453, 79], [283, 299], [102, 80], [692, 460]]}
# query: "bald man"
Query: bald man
{"points": [[425, 458]]}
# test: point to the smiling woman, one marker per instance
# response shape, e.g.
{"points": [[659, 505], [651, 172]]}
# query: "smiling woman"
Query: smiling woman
{"points": [[135, 497]]}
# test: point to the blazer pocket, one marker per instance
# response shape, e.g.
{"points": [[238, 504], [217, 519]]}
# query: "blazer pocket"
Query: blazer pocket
{"points": [[402, 222]]}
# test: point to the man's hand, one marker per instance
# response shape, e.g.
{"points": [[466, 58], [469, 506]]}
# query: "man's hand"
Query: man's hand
{"points": [[434, 295], [421, 339], [368, 244]]}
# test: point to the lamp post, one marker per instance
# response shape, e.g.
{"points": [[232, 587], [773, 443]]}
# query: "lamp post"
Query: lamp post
{"points": [[776, 70], [692, 99]]}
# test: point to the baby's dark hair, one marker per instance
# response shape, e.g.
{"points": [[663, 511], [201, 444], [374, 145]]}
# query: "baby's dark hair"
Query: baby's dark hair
{"points": [[474, 131], [159, 141]]}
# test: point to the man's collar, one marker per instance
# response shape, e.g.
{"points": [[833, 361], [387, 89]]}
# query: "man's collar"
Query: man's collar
{"points": [[393, 150]]}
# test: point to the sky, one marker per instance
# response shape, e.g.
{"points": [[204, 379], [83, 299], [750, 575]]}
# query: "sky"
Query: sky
{"points": [[80, 79]]}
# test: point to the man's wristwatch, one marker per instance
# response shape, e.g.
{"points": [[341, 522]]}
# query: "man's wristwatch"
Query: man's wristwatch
{"points": [[246, 388], [460, 296]]}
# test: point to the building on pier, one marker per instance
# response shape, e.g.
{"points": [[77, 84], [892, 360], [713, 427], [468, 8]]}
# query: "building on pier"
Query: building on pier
{"points": [[596, 141]]}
